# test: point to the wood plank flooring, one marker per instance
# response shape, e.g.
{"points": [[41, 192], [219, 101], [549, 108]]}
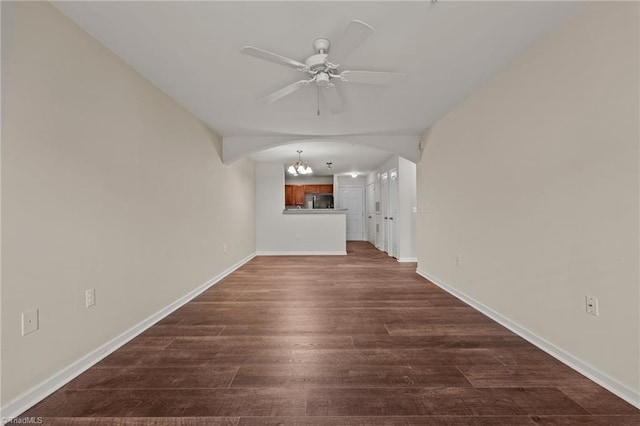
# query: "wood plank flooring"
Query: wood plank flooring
{"points": [[336, 340]]}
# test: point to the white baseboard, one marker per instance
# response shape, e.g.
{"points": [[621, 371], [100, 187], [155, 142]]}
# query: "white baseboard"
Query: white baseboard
{"points": [[408, 259], [301, 253], [36, 394], [580, 366]]}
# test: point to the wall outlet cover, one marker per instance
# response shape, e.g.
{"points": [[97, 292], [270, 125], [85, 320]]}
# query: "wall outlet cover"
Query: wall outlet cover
{"points": [[90, 297], [592, 305], [30, 321]]}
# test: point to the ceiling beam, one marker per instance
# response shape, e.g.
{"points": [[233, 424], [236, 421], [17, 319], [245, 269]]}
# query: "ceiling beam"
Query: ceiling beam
{"points": [[235, 147]]}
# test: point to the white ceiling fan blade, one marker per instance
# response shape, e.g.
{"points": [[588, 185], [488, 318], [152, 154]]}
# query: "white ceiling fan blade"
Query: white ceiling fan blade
{"points": [[372, 77], [333, 99], [355, 34], [285, 91], [272, 57]]}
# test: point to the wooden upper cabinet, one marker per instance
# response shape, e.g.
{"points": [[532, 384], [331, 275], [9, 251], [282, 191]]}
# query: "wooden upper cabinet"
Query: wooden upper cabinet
{"points": [[298, 195], [288, 195], [294, 194], [311, 189], [325, 189]]}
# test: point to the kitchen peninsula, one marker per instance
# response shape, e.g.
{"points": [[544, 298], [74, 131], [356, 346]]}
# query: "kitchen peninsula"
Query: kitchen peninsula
{"points": [[314, 211], [293, 231]]}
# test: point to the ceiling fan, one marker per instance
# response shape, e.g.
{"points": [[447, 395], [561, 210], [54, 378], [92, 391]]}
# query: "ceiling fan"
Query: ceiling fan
{"points": [[322, 68]]}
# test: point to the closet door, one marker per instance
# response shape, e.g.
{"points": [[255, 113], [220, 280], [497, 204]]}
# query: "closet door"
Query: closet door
{"points": [[371, 214]]}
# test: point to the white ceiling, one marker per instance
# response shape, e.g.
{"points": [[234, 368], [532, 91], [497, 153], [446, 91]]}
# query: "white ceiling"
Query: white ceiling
{"points": [[190, 50]]}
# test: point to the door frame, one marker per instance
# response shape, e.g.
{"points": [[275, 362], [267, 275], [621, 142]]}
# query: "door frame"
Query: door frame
{"points": [[394, 188]]}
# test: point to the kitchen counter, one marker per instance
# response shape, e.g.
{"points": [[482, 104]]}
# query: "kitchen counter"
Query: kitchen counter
{"points": [[314, 211]]}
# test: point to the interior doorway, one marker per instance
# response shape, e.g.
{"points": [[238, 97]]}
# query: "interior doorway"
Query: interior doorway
{"points": [[371, 212], [352, 199]]}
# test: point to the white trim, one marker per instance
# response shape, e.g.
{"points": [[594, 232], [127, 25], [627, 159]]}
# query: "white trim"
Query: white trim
{"points": [[580, 366], [407, 259], [301, 253], [28, 399]]}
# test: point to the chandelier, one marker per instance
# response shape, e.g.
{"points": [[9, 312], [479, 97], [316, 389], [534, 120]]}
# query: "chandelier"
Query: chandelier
{"points": [[299, 167]]}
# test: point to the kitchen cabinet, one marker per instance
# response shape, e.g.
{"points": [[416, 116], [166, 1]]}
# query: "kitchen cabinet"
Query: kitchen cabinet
{"points": [[298, 195], [294, 194], [311, 189], [288, 195], [325, 189]]}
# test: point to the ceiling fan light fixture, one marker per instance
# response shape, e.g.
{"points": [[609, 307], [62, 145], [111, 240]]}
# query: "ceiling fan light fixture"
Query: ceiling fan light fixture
{"points": [[322, 79]]}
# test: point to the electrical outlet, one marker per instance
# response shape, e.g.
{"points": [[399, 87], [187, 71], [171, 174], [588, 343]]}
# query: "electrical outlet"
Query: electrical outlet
{"points": [[297, 235], [458, 260], [415, 209], [30, 322], [224, 248], [592, 305], [90, 297]]}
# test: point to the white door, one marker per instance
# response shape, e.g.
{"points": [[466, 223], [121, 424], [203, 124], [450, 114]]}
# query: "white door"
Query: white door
{"points": [[352, 199], [384, 210], [393, 213], [371, 213]]}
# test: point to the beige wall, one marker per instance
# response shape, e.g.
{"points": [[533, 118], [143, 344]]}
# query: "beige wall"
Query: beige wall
{"points": [[292, 234], [533, 180], [106, 183], [307, 180]]}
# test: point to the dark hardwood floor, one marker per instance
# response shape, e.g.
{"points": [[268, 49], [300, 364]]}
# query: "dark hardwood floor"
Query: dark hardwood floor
{"points": [[336, 340]]}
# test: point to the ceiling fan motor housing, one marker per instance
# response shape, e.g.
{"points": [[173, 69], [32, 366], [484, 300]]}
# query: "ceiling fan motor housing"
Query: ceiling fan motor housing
{"points": [[316, 62]]}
